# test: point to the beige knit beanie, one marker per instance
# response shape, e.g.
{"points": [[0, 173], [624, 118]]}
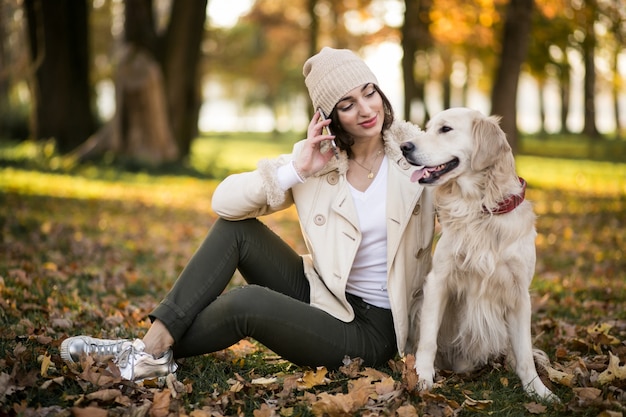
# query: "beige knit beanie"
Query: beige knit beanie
{"points": [[331, 73]]}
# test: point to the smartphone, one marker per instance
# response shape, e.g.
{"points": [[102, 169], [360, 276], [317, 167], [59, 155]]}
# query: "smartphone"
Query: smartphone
{"points": [[332, 142]]}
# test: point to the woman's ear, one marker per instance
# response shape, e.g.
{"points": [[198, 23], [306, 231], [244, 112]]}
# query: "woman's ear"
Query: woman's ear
{"points": [[490, 142]]}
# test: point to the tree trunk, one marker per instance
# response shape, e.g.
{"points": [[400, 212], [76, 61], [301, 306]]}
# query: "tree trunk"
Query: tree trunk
{"points": [[415, 37], [615, 89], [589, 50], [513, 54], [141, 129], [181, 69], [564, 83], [58, 35]]}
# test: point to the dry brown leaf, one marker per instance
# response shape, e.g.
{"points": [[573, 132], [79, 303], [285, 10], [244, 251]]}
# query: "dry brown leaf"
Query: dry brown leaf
{"points": [[407, 411], [613, 371], [104, 395], [409, 375], [374, 374], [609, 413], [89, 412], [587, 393], [199, 413], [475, 405], [360, 391], [385, 386], [264, 411], [339, 405], [161, 403], [535, 408]]}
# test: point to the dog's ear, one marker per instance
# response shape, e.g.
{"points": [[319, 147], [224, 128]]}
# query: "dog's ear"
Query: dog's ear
{"points": [[489, 142]]}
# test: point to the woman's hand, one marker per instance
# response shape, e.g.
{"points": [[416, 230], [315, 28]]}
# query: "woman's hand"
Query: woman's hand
{"points": [[312, 159]]}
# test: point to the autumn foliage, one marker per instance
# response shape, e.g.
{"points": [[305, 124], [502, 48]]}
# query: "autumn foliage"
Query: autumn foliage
{"points": [[94, 251]]}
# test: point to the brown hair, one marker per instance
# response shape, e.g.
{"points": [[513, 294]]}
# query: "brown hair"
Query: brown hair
{"points": [[343, 139]]}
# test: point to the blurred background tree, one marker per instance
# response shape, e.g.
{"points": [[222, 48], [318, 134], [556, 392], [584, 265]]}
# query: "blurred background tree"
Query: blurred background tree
{"points": [[60, 61]]}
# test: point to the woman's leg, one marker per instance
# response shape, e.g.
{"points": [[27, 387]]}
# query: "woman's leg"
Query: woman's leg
{"points": [[261, 256], [274, 309], [295, 330]]}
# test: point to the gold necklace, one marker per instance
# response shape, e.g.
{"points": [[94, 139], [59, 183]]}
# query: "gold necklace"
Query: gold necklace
{"points": [[370, 175]]}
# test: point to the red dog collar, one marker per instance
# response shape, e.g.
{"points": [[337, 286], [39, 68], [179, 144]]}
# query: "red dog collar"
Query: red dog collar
{"points": [[510, 203]]}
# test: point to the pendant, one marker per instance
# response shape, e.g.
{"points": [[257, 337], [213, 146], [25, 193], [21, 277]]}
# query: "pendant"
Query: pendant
{"points": [[370, 175]]}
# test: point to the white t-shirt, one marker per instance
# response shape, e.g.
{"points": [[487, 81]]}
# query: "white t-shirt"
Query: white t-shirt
{"points": [[368, 277]]}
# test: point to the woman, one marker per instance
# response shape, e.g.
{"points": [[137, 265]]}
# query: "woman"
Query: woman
{"points": [[367, 227]]}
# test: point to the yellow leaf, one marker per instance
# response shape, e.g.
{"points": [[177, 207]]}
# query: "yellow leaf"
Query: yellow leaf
{"points": [[613, 371], [236, 387], [560, 377], [504, 381], [473, 404], [45, 364], [312, 378]]}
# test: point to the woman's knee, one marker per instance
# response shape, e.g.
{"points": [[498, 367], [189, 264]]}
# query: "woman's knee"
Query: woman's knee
{"points": [[245, 299]]}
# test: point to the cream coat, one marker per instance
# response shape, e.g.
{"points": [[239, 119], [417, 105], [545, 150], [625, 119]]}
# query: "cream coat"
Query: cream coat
{"points": [[330, 228]]}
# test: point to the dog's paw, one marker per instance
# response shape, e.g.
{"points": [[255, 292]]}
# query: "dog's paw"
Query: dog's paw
{"points": [[425, 378], [539, 390]]}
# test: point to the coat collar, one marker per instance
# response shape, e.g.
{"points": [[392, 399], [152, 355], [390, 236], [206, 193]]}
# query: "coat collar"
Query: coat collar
{"points": [[400, 131]]}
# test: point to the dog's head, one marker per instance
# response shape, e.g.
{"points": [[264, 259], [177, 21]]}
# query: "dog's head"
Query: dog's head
{"points": [[456, 141]]}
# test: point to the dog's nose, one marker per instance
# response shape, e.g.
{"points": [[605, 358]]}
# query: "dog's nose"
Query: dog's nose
{"points": [[407, 147]]}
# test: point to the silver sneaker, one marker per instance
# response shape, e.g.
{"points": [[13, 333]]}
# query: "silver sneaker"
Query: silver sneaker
{"points": [[73, 348], [137, 365], [129, 356]]}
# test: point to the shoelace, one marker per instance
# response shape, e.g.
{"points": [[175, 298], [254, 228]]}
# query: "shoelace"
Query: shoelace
{"points": [[128, 357], [105, 350]]}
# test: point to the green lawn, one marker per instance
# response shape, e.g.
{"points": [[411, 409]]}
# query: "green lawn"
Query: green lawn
{"points": [[92, 248]]}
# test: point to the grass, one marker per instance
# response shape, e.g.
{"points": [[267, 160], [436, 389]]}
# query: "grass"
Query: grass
{"points": [[93, 247]]}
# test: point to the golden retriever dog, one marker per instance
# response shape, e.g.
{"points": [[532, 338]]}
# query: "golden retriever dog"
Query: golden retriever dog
{"points": [[476, 304]]}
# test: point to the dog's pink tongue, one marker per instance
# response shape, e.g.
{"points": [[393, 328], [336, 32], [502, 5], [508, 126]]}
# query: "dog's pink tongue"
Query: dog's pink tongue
{"points": [[418, 175]]}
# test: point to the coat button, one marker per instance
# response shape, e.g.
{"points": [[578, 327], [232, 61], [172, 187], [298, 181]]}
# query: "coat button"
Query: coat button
{"points": [[319, 219], [417, 209], [404, 164], [332, 178]]}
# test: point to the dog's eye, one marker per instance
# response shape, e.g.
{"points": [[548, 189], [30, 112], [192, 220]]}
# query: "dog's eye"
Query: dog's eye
{"points": [[444, 129]]}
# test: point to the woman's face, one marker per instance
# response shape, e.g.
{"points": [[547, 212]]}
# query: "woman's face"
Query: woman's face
{"points": [[361, 112]]}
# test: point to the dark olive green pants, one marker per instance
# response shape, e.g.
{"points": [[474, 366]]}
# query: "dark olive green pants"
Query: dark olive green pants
{"points": [[273, 308]]}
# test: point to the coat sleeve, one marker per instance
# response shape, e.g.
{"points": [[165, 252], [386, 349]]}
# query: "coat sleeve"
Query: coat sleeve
{"points": [[252, 194]]}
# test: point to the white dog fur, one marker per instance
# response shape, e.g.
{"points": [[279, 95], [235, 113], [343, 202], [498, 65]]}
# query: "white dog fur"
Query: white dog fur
{"points": [[476, 304]]}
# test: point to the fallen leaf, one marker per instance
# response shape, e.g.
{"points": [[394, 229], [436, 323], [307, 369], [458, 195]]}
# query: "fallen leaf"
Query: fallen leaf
{"points": [[587, 393], [409, 375], [407, 411], [339, 405], [475, 405], [264, 381], [312, 378], [89, 412], [535, 408], [45, 364], [105, 395], [613, 371], [264, 411], [559, 377], [161, 404]]}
